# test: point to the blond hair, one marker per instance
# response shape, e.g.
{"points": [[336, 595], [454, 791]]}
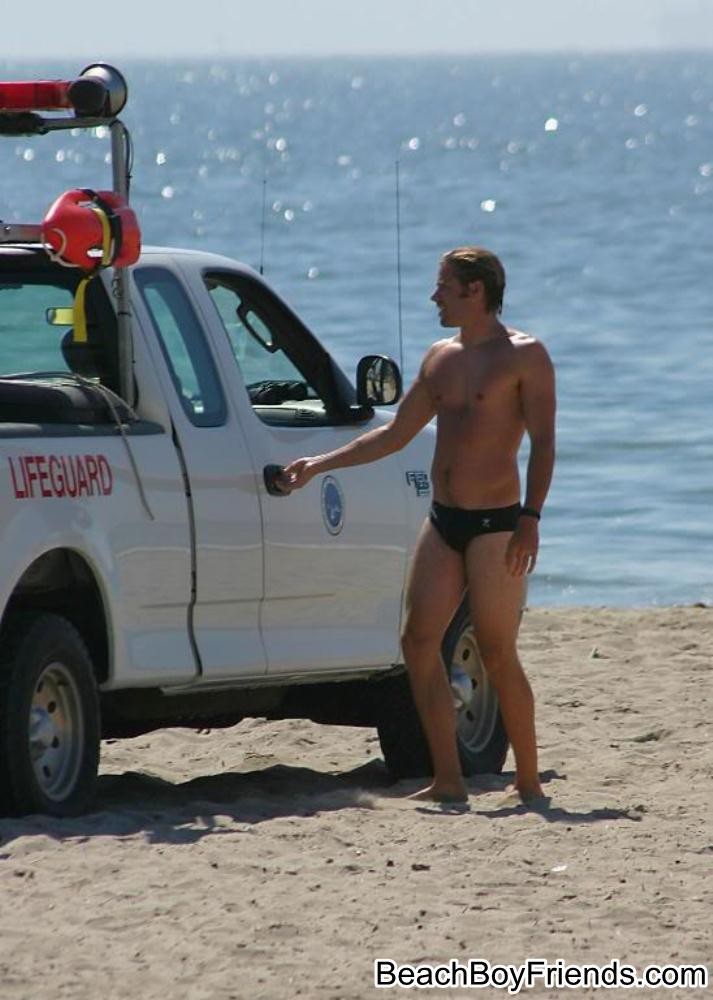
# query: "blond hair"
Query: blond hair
{"points": [[478, 264]]}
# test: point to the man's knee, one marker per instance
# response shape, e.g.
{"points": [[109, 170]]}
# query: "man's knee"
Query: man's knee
{"points": [[500, 660], [417, 637]]}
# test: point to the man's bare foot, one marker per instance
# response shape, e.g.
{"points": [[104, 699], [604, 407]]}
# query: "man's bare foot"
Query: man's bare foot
{"points": [[442, 793], [530, 796], [527, 792]]}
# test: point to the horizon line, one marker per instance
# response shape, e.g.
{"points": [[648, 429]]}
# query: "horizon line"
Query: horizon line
{"points": [[648, 50]]}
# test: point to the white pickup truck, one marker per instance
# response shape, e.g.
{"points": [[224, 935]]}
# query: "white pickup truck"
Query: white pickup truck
{"points": [[149, 574]]}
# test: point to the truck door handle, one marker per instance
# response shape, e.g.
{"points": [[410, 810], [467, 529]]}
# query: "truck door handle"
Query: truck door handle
{"points": [[271, 474]]}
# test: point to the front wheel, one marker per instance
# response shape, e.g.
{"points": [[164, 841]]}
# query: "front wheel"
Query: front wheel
{"points": [[49, 718], [480, 733]]}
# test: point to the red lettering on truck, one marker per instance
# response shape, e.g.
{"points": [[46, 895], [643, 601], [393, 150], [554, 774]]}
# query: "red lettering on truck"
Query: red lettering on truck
{"points": [[70, 477], [43, 475], [49, 476], [20, 493], [92, 473], [82, 481], [106, 476], [56, 477]]}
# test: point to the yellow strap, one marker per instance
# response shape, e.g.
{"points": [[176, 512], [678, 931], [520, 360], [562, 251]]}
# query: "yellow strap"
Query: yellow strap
{"points": [[80, 313], [106, 235]]}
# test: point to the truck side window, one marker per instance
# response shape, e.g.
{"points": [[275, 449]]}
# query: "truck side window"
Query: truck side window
{"points": [[183, 343], [279, 391]]}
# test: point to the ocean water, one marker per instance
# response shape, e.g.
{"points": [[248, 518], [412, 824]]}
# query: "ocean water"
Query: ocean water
{"points": [[592, 177]]}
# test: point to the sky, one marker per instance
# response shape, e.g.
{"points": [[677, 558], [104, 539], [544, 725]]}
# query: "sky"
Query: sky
{"points": [[222, 28]]}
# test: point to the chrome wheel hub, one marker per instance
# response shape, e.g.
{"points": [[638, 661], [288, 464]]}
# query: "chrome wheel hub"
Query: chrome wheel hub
{"points": [[56, 731], [475, 701]]}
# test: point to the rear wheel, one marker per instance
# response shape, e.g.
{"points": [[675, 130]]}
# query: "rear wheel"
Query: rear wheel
{"points": [[49, 718], [480, 733]]}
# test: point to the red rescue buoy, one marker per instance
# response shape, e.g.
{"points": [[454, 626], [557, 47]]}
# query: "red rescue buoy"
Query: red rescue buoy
{"points": [[92, 229]]}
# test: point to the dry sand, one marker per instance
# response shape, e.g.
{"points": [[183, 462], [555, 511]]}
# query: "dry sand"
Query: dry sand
{"points": [[274, 859]]}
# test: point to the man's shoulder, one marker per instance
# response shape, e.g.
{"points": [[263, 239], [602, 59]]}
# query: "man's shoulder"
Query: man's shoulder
{"points": [[518, 338], [441, 345], [528, 347], [436, 349], [532, 360]]}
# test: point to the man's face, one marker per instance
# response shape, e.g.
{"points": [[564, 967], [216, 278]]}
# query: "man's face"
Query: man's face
{"points": [[454, 300]]}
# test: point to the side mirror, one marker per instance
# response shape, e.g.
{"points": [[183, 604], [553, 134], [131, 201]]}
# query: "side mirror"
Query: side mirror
{"points": [[378, 381], [60, 316]]}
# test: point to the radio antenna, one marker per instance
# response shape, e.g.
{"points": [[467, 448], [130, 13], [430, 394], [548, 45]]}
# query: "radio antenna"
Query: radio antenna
{"points": [[263, 222], [398, 267]]}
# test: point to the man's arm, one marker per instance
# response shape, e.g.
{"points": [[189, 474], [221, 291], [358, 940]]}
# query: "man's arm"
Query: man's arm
{"points": [[537, 391], [415, 410], [537, 394]]}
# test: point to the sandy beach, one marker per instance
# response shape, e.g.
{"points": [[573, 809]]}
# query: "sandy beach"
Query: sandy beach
{"points": [[275, 860]]}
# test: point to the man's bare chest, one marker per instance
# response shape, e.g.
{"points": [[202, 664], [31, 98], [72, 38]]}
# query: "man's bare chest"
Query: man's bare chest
{"points": [[468, 382]]}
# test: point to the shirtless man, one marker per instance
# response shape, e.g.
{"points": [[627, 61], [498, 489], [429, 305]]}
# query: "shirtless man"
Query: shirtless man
{"points": [[487, 386]]}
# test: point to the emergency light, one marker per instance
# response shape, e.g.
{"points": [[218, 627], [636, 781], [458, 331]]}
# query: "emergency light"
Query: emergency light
{"points": [[45, 95], [98, 91]]}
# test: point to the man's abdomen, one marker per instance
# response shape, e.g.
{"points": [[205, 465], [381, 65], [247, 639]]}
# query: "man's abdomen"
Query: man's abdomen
{"points": [[466, 477]]}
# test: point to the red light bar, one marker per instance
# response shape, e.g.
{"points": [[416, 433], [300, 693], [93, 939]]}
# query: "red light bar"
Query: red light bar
{"points": [[42, 95]]}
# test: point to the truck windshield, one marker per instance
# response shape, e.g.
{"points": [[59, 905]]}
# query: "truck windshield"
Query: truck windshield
{"points": [[37, 328]]}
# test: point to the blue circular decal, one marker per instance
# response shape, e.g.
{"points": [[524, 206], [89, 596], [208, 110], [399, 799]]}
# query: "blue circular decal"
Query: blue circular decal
{"points": [[332, 505]]}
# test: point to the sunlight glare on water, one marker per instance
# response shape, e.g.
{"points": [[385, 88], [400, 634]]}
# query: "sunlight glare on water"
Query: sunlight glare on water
{"points": [[591, 177]]}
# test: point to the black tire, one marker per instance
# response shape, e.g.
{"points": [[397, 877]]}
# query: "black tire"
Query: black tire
{"points": [[481, 736], [49, 718]]}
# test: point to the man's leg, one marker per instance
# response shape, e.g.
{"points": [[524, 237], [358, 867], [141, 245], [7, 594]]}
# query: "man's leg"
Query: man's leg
{"points": [[495, 606], [435, 587]]}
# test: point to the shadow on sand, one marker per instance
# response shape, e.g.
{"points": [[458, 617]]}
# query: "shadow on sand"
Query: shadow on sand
{"points": [[184, 812], [544, 807], [555, 814]]}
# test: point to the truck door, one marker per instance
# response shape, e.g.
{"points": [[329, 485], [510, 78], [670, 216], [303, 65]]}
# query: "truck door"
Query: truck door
{"points": [[226, 525], [335, 552]]}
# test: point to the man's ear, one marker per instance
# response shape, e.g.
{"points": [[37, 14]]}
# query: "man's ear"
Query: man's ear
{"points": [[473, 286]]}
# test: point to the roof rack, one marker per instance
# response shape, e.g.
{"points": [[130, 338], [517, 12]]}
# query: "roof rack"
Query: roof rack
{"points": [[95, 98]]}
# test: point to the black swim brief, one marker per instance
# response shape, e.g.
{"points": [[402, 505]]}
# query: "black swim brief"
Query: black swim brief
{"points": [[458, 525]]}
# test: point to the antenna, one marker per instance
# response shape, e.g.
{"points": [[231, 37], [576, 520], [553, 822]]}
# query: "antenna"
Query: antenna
{"points": [[262, 223], [398, 266]]}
